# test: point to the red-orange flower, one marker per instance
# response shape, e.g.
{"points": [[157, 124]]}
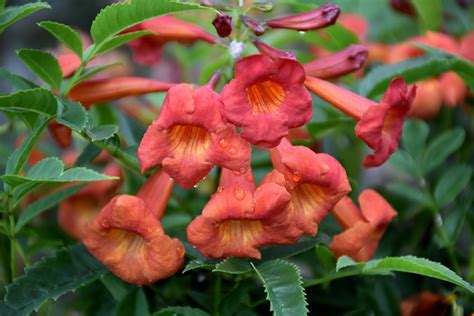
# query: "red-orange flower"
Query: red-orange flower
{"points": [[425, 303], [60, 133], [190, 137], [128, 238], [69, 63], [316, 183], [239, 219], [266, 98], [80, 209], [380, 124], [362, 228], [428, 99], [167, 28]]}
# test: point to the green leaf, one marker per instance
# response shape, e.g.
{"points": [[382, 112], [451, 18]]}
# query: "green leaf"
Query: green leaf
{"points": [[90, 152], [440, 148], [65, 34], [45, 204], [453, 181], [409, 264], [326, 257], [233, 266], [377, 80], [133, 304], [117, 17], [336, 37], [414, 138], [410, 193], [282, 282], [430, 12], [403, 161], [39, 100], [18, 159], [17, 81], [320, 129], [116, 286], [44, 65], [95, 70], [180, 311], [198, 264], [12, 14], [119, 40], [73, 115], [102, 132], [51, 170], [67, 270]]}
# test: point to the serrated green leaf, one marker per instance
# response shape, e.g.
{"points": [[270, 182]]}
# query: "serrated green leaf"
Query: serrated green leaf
{"points": [[180, 311], [117, 17], [453, 181], [282, 283], [51, 170], [116, 286], [430, 12], [73, 115], [441, 147], [133, 304], [377, 80], [17, 81], [409, 264], [44, 65], [233, 266], [40, 101], [198, 264], [65, 34], [119, 40], [45, 204], [12, 14], [67, 270], [102, 132]]}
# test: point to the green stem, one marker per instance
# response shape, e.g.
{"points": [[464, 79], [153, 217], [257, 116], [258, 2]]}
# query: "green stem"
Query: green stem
{"points": [[330, 277], [217, 294]]}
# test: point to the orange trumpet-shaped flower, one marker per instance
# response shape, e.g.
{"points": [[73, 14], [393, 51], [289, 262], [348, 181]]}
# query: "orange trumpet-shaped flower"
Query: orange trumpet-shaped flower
{"points": [[428, 99], [380, 125], [60, 133], [239, 219], [166, 28], [316, 183], [190, 136], [454, 89], [266, 98], [311, 20], [69, 63], [363, 228], [425, 303], [96, 91], [128, 237], [341, 63], [76, 212]]}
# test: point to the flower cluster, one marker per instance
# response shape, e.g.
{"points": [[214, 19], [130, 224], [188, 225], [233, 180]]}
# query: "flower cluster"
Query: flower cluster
{"points": [[198, 129]]}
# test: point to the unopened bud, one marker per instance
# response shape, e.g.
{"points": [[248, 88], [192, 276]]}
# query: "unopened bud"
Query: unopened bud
{"points": [[223, 24], [263, 6], [271, 51], [311, 20], [341, 63], [253, 25]]}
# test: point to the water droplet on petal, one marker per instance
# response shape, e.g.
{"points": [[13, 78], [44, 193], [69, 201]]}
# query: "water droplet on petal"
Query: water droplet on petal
{"points": [[239, 193], [233, 151], [302, 32], [296, 176], [195, 186], [223, 143]]}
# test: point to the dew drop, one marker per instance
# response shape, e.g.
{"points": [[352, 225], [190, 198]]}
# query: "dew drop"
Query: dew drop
{"points": [[296, 176], [195, 186], [302, 32], [233, 151], [223, 143], [239, 193]]}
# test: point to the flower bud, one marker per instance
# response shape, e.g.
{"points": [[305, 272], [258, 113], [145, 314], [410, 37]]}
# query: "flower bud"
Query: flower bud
{"points": [[223, 24], [272, 52], [253, 25], [311, 20], [263, 6]]}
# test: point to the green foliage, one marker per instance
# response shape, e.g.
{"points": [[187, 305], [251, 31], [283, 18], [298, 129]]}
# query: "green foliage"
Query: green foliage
{"points": [[102, 132], [441, 147], [65, 34], [414, 70], [336, 37], [67, 270], [451, 183], [409, 264], [431, 13], [323, 128], [40, 101], [38, 207], [133, 304], [95, 70], [51, 170], [44, 65], [180, 311], [282, 283], [119, 16], [119, 40], [73, 115], [233, 266], [12, 14]]}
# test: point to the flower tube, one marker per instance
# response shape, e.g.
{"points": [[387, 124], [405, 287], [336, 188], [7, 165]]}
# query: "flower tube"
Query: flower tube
{"points": [[379, 124], [362, 228]]}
